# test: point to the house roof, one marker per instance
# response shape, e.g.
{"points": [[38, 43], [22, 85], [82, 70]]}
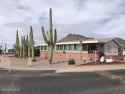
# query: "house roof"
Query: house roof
{"points": [[73, 37], [120, 41], [103, 40]]}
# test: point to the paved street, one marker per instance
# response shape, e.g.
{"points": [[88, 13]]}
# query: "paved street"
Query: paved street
{"points": [[49, 82]]}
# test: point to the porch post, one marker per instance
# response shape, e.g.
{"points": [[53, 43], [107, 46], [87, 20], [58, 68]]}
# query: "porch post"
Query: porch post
{"points": [[55, 47], [95, 57], [81, 51], [43, 48]]}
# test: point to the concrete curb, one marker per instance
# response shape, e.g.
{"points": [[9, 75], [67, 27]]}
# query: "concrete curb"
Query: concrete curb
{"points": [[91, 68]]}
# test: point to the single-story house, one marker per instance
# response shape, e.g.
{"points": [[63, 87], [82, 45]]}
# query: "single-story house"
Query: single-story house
{"points": [[81, 47]]}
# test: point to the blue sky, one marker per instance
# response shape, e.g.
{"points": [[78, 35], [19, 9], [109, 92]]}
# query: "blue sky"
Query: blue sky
{"points": [[91, 18]]}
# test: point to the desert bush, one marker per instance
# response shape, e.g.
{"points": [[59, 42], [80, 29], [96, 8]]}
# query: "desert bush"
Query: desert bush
{"points": [[71, 61]]}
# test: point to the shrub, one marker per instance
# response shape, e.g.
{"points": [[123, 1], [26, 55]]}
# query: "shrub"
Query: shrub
{"points": [[71, 61]]}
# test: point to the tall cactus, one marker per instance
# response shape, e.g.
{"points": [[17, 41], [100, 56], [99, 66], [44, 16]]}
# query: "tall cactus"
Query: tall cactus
{"points": [[17, 46], [24, 48], [48, 37], [14, 50], [32, 44], [29, 48], [21, 48]]}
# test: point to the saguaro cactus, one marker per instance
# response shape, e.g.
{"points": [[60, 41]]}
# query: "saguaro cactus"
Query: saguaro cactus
{"points": [[17, 46], [29, 48], [48, 37], [21, 48], [24, 48], [32, 44]]}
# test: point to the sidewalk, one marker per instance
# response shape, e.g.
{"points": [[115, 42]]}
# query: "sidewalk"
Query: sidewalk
{"points": [[22, 64]]}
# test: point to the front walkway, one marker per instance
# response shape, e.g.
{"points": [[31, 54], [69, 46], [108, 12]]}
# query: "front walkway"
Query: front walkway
{"points": [[21, 64]]}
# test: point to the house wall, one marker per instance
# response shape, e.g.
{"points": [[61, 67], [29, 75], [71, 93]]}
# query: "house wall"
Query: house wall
{"points": [[111, 48], [60, 55]]}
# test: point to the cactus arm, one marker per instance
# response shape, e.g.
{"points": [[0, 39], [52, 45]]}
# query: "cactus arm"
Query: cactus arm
{"points": [[55, 37], [47, 35], [44, 36]]}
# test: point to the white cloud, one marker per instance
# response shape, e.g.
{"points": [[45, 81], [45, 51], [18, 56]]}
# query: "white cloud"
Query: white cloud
{"points": [[91, 18]]}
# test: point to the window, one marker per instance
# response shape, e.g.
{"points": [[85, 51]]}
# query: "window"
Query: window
{"points": [[57, 47], [70, 47], [85, 47], [93, 47], [41, 48], [75, 47], [45, 47], [115, 49], [65, 47], [109, 47], [61, 47]]}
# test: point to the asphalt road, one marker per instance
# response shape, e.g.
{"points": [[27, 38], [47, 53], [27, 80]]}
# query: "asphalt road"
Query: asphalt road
{"points": [[48, 82]]}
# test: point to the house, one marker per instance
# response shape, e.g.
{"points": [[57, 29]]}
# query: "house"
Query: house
{"points": [[83, 48]]}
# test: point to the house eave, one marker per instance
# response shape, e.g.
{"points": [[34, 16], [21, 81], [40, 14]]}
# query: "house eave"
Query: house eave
{"points": [[78, 42]]}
